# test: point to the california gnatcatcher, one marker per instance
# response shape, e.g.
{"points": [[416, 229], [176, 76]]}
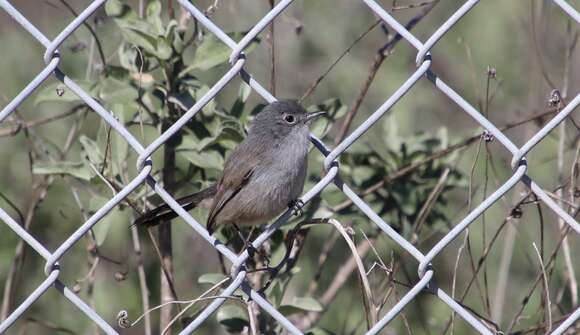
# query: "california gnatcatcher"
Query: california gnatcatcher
{"points": [[262, 176]]}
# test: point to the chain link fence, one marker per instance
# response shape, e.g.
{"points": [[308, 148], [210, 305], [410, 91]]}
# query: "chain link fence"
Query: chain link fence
{"points": [[52, 60]]}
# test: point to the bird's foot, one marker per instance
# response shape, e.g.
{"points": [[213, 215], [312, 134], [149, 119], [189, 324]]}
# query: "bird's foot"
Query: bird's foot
{"points": [[251, 250], [265, 257], [296, 207]]}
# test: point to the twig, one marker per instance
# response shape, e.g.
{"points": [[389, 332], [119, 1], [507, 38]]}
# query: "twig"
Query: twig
{"points": [[170, 9], [537, 48], [467, 242], [318, 80], [371, 311], [306, 321], [542, 326], [123, 320], [539, 277], [165, 271], [546, 287], [322, 258], [403, 171], [92, 32], [13, 130], [569, 271], [13, 206], [167, 290], [252, 317], [411, 6], [455, 268], [39, 193], [491, 74], [487, 250], [380, 57], [142, 277], [202, 296], [46, 324], [429, 203]]}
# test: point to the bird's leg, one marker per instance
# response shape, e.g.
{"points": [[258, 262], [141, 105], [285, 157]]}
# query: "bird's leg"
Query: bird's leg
{"points": [[296, 207], [291, 238], [261, 252], [247, 245]]}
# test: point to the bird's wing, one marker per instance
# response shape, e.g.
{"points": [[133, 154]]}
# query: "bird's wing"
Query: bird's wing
{"points": [[225, 195], [237, 172], [165, 213]]}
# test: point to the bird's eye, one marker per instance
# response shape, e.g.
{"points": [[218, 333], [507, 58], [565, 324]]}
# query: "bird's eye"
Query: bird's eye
{"points": [[289, 118]]}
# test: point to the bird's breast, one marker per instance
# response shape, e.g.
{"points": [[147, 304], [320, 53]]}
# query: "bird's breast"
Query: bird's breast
{"points": [[276, 181]]}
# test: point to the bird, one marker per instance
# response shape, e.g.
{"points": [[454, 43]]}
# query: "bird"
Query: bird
{"points": [[263, 175]]}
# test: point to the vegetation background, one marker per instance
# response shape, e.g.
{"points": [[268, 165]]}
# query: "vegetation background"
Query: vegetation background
{"points": [[422, 167]]}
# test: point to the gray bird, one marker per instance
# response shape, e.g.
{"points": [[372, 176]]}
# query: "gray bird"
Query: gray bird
{"points": [[262, 177]]}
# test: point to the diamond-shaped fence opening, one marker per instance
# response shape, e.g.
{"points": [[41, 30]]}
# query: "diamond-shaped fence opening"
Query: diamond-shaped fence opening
{"points": [[237, 60]]}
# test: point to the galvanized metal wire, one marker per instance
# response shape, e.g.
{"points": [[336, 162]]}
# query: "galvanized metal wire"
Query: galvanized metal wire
{"points": [[52, 60]]}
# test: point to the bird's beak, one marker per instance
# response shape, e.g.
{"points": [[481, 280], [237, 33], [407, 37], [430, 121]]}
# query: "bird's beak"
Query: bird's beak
{"points": [[313, 116]]}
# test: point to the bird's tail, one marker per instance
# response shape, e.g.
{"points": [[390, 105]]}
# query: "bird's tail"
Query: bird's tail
{"points": [[164, 213]]}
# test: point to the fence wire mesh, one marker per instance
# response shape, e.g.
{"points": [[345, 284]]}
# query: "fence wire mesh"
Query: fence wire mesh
{"points": [[52, 60]]}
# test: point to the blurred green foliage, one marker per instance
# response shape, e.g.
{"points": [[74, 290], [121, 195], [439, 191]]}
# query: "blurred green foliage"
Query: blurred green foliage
{"points": [[157, 68]]}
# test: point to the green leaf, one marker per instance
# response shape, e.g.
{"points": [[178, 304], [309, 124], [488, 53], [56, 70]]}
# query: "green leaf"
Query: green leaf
{"points": [[245, 91], [227, 135], [118, 72], [153, 14], [60, 92], [210, 107], [213, 52], [115, 216], [172, 34], [113, 91], [362, 173], [320, 127], [207, 159], [333, 107], [233, 318], [128, 57], [211, 278], [114, 8], [148, 34], [318, 331], [75, 169], [276, 291], [91, 150], [301, 304], [163, 49], [183, 99], [119, 145]]}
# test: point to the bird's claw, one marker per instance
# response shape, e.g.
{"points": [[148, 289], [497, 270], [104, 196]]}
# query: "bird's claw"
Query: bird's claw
{"points": [[296, 207], [251, 250]]}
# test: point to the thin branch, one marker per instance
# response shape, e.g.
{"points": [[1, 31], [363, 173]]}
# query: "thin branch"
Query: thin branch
{"points": [[546, 287], [13, 130], [382, 54], [38, 195], [543, 69], [318, 80], [364, 281], [412, 6], [194, 301], [340, 278], [142, 277], [403, 171], [429, 203], [322, 258], [92, 32], [552, 258]]}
